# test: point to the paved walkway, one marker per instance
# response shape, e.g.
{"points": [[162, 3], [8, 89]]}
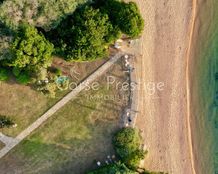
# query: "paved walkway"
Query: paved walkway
{"points": [[12, 142], [7, 140]]}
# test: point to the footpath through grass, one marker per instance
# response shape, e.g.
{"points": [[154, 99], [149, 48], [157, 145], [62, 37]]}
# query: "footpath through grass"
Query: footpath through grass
{"points": [[24, 105], [72, 139]]}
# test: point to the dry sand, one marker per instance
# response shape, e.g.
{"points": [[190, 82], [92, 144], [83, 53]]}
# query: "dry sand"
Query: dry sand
{"points": [[162, 54]]}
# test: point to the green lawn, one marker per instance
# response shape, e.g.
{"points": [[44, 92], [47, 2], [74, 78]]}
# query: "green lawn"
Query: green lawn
{"points": [[72, 139], [24, 104], [1, 145]]}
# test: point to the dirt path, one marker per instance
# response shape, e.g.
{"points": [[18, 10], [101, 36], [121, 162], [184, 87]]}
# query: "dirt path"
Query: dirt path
{"points": [[162, 52], [11, 143]]}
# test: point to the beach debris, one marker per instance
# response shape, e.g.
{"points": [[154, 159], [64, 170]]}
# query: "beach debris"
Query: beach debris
{"points": [[98, 163], [14, 125], [117, 45], [46, 80]]}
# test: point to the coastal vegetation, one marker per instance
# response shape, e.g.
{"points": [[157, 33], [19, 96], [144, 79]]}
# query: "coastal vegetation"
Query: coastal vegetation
{"points": [[76, 136], [75, 30], [127, 144]]}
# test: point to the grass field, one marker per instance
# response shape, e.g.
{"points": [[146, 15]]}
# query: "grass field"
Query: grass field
{"points": [[24, 104], [1, 145], [76, 136]]}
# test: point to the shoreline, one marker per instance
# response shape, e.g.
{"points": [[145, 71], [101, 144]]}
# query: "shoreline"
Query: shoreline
{"points": [[190, 132]]}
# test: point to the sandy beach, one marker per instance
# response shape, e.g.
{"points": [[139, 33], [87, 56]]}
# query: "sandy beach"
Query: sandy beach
{"points": [[162, 57]]}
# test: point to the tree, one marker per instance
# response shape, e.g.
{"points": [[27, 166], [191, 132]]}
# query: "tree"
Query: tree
{"points": [[130, 20], [117, 168], [127, 145], [124, 15], [85, 35], [126, 141], [30, 50]]}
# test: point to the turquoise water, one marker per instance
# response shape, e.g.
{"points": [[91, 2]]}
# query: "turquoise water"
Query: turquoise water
{"points": [[204, 90]]}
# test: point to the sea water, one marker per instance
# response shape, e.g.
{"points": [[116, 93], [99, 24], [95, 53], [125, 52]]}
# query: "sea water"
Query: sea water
{"points": [[204, 88]]}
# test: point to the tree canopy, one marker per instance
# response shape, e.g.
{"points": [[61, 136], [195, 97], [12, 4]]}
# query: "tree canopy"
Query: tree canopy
{"points": [[127, 146], [30, 49], [85, 35], [117, 168], [126, 16]]}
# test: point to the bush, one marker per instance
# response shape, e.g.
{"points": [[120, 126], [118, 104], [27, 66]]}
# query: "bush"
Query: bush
{"points": [[23, 78], [4, 75], [5, 122], [30, 50], [48, 89], [133, 160], [127, 146], [16, 71], [126, 142], [117, 168]]}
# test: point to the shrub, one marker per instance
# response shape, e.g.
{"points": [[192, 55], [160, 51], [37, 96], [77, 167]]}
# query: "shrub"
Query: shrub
{"points": [[117, 168], [41, 74], [16, 71], [126, 141], [48, 89], [4, 75], [133, 160], [23, 78], [127, 146], [5, 122], [30, 50]]}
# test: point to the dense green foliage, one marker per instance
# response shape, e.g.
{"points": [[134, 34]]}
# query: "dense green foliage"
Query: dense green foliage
{"points": [[44, 13], [23, 78], [116, 168], [30, 50], [126, 16], [85, 35], [127, 146], [5, 122], [4, 74]]}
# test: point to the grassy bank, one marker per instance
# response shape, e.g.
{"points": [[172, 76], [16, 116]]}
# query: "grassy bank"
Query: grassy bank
{"points": [[75, 136]]}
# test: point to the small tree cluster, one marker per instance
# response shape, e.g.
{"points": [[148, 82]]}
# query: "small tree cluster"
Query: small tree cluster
{"points": [[126, 16], [117, 168], [85, 35], [5, 122], [127, 146]]}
